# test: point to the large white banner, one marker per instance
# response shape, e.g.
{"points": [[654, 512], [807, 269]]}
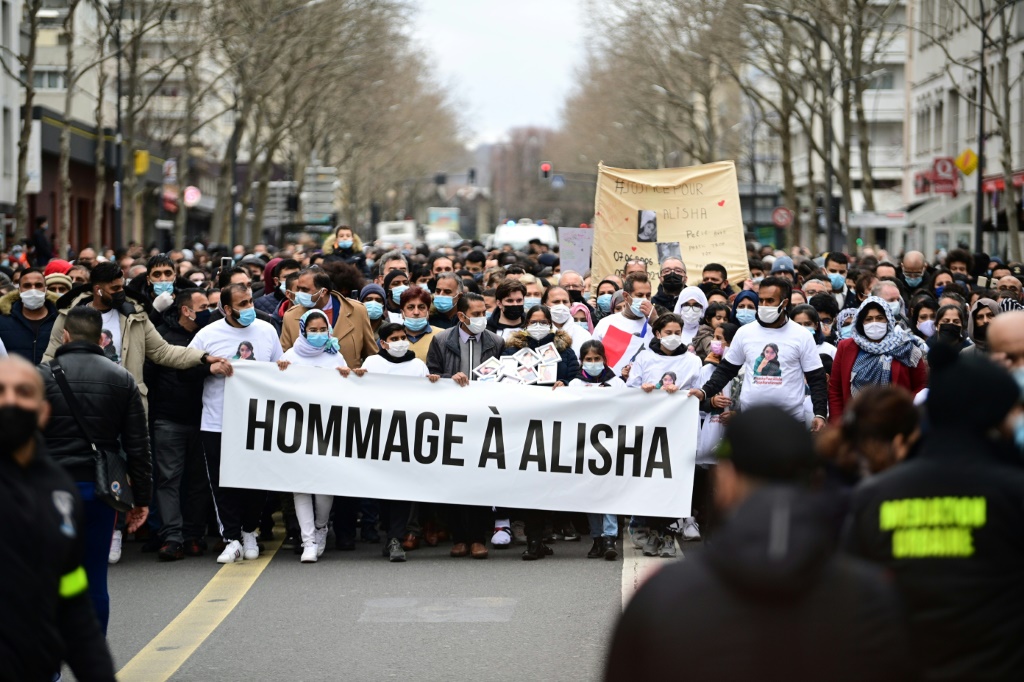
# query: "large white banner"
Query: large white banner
{"points": [[604, 450]]}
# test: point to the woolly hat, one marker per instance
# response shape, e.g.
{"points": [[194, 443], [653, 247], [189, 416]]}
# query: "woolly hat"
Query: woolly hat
{"points": [[766, 442], [783, 264], [59, 279], [372, 289], [58, 266]]}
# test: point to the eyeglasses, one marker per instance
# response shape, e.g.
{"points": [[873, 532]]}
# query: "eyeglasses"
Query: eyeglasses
{"points": [[1009, 287], [672, 271]]}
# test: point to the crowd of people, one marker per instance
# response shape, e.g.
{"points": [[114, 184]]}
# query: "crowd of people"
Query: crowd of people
{"points": [[908, 371]]}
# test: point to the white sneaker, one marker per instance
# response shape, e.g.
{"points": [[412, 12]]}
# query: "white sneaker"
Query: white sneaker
{"points": [[309, 553], [115, 548], [502, 536], [320, 534], [691, 532], [250, 550], [231, 553]]}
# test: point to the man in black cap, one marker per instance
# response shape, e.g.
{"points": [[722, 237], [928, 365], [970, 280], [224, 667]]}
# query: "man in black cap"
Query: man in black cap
{"points": [[947, 523], [769, 597]]}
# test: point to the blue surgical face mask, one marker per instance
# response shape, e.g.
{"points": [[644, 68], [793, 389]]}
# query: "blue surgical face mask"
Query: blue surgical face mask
{"points": [[914, 281], [593, 368], [282, 287], [396, 293], [939, 289], [604, 303], [1018, 374], [443, 303], [487, 314], [586, 295], [318, 339], [305, 300], [344, 243], [745, 316], [246, 317], [530, 302], [812, 330], [1018, 433], [163, 288], [370, 262], [374, 310], [634, 307], [838, 280], [846, 332], [583, 323], [415, 324]]}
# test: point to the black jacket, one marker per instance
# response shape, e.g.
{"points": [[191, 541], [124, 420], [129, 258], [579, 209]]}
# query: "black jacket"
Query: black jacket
{"points": [[664, 299], [111, 407], [47, 613], [768, 599], [175, 394], [949, 524], [17, 332]]}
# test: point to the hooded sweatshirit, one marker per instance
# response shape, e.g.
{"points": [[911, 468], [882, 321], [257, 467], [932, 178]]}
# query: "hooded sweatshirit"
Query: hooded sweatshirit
{"points": [[768, 599]]}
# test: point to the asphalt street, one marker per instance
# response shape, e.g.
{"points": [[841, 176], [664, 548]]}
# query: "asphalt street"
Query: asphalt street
{"points": [[355, 616]]}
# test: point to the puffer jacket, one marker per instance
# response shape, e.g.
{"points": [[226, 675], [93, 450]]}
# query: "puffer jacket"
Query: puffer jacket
{"points": [[139, 341], [111, 407], [16, 331], [444, 357], [568, 366], [177, 394]]}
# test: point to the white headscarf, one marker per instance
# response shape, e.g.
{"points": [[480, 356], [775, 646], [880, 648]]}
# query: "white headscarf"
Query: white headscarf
{"points": [[691, 294]]}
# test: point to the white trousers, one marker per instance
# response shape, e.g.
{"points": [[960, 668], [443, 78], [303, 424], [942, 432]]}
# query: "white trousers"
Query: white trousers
{"points": [[308, 521]]}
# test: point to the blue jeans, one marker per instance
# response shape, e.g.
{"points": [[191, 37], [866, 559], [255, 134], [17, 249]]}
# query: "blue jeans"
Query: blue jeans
{"points": [[99, 529], [603, 525]]}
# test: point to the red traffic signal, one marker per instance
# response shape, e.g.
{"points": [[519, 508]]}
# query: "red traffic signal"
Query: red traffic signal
{"points": [[545, 171]]}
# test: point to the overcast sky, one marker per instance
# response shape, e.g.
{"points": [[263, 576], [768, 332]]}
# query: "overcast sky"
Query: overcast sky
{"points": [[508, 63]]}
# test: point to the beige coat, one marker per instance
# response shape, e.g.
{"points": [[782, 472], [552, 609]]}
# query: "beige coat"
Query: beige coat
{"points": [[139, 341]]}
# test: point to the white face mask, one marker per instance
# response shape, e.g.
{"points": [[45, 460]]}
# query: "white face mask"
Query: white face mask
{"points": [[398, 349], [768, 314], [876, 331], [560, 313], [477, 325], [671, 342], [895, 306], [33, 299], [690, 317], [538, 331]]}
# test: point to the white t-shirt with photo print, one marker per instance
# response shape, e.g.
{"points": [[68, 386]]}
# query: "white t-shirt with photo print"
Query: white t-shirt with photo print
{"points": [[257, 342], [775, 361]]}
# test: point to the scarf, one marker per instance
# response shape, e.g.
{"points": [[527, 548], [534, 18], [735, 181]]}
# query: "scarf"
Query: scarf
{"points": [[691, 294], [302, 345], [873, 366]]}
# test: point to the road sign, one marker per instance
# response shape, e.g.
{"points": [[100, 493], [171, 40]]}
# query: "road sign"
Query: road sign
{"points": [[557, 181], [164, 224], [967, 162], [192, 196], [944, 175], [782, 217]]}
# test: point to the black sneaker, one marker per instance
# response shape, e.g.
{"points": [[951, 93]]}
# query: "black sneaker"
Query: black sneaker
{"points": [[195, 546], [610, 552], [152, 544], [570, 534], [370, 535], [291, 541], [267, 534], [597, 551], [395, 551], [345, 544], [172, 550], [536, 550]]}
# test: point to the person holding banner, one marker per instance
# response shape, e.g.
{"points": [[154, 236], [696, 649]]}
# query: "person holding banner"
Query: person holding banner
{"points": [[779, 357], [454, 354], [396, 360], [627, 333], [666, 355], [315, 347], [238, 510]]}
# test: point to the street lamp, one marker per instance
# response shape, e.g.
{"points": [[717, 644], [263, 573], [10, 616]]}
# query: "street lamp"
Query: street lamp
{"points": [[833, 234]]}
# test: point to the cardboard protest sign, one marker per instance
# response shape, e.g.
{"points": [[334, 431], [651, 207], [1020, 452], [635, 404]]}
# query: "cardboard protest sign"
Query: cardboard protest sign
{"points": [[575, 245], [649, 215]]}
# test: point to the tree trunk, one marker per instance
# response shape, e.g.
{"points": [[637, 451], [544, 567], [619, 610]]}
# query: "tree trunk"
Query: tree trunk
{"points": [[64, 163], [28, 67], [99, 209], [1010, 193]]}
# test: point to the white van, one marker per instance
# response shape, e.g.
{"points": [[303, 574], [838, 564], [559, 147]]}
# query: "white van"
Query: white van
{"points": [[518, 235], [396, 232]]}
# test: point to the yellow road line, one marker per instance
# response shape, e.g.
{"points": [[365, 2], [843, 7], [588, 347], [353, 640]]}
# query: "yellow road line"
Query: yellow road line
{"points": [[169, 650]]}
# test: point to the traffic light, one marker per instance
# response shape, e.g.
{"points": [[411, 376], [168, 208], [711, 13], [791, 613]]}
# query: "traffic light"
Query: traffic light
{"points": [[441, 178], [545, 171]]}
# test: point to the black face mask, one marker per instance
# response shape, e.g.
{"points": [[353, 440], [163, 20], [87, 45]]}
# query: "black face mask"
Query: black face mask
{"points": [[673, 283], [980, 333], [961, 278], [949, 333], [115, 301], [512, 312], [576, 296], [18, 425]]}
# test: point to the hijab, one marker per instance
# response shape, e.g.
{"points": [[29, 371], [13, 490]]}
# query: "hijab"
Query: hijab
{"points": [[302, 345]]}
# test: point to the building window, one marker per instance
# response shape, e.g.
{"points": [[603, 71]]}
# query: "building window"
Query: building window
{"points": [[8, 143], [954, 121], [972, 115], [921, 133], [883, 81], [939, 127], [48, 79]]}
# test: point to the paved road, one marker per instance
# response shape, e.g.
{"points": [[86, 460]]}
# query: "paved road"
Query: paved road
{"points": [[354, 616]]}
